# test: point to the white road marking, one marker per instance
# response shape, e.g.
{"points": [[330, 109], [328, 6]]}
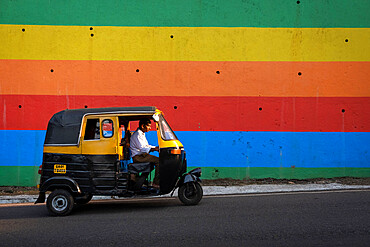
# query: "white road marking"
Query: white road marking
{"points": [[290, 193]]}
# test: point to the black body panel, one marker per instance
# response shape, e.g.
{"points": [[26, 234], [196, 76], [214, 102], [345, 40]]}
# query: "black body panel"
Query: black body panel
{"points": [[171, 167], [94, 174]]}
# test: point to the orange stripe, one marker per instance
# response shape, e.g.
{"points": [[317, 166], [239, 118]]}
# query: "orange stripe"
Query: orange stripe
{"points": [[129, 78]]}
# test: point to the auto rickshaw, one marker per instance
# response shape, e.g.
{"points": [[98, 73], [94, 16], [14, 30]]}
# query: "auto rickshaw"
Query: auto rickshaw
{"points": [[86, 153]]}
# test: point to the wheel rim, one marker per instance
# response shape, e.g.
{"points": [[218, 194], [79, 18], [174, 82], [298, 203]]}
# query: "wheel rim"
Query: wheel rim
{"points": [[59, 203], [189, 191]]}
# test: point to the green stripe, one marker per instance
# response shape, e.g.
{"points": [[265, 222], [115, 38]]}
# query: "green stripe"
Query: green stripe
{"points": [[27, 175], [19, 175], [189, 13], [280, 173]]}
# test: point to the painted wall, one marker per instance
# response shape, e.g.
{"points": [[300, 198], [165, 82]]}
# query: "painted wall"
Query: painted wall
{"points": [[254, 89]]}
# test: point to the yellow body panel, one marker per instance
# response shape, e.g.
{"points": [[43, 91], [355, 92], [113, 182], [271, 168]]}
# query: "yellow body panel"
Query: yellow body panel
{"points": [[103, 145], [99, 147], [170, 144], [63, 149]]}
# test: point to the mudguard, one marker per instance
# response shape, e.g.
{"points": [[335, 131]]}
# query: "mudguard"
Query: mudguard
{"points": [[192, 176], [41, 198], [60, 182], [57, 182]]}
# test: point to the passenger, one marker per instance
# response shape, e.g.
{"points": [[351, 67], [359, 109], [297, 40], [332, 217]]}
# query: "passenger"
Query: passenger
{"points": [[125, 134], [140, 148]]}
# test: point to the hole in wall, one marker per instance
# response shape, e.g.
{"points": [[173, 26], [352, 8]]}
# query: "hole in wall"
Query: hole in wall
{"points": [[20, 106], [137, 70], [175, 107], [298, 2], [91, 28], [85, 106], [260, 109], [343, 110], [51, 70], [218, 72], [92, 35], [23, 30], [171, 36], [299, 73], [346, 40]]}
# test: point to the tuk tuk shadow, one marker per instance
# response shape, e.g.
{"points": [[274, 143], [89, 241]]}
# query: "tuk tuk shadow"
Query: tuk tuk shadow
{"points": [[12, 212], [125, 205]]}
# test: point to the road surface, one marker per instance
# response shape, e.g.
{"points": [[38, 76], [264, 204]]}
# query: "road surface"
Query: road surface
{"points": [[340, 218]]}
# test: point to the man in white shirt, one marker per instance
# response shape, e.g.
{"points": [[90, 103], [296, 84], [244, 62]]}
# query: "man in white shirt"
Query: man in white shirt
{"points": [[140, 148]]}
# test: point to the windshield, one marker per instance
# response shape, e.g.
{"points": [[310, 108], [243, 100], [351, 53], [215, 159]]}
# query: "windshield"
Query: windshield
{"points": [[166, 131]]}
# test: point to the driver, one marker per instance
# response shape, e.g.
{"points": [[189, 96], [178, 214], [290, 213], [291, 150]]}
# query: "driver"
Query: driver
{"points": [[140, 148]]}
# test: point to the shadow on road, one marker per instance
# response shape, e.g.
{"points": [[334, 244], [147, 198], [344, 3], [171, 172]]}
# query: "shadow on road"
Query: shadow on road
{"points": [[128, 205], [23, 211], [94, 207]]}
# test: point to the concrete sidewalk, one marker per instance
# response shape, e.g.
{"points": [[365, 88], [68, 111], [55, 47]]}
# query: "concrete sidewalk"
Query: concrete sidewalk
{"points": [[222, 190]]}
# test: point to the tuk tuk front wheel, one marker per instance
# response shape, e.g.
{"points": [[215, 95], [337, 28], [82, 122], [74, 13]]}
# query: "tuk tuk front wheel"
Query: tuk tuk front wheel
{"points": [[60, 203], [190, 193]]}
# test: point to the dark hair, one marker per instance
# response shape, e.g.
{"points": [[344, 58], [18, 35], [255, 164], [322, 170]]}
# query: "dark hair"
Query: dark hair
{"points": [[144, 121]]}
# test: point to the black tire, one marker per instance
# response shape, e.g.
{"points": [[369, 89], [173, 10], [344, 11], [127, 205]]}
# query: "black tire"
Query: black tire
{"points": [[83, 199], [190, 193], [60, 203]]}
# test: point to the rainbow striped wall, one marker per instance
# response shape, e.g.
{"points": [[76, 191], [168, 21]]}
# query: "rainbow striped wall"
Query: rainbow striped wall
{"points": [[254, 89]]}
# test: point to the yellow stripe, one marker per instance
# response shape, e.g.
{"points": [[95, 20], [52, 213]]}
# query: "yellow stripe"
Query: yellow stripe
{"points": [[187, 43]]}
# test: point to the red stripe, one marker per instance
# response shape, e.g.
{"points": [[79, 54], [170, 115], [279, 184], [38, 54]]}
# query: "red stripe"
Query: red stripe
{"points": [[32, 112]]}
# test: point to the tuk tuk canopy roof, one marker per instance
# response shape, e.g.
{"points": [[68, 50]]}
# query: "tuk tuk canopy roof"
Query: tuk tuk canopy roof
{"points": [[64, 127]]}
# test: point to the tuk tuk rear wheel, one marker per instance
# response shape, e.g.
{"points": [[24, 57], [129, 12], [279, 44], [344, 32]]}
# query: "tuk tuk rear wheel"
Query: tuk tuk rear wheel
{"points": [[190, 193], [60, 203]]}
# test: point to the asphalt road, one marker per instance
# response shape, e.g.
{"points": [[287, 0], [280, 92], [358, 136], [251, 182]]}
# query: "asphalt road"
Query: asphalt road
{"points": [[297, 219]]}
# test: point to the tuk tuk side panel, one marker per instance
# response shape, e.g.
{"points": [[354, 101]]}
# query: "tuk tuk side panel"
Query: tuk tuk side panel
{"points": [[95, 174], [103, 156], [92, 163], [103, 174], [74, 166]]}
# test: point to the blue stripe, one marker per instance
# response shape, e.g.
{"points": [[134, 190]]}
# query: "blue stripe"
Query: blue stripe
{"points": [[228, 149], [21, 147], [277, 149]]}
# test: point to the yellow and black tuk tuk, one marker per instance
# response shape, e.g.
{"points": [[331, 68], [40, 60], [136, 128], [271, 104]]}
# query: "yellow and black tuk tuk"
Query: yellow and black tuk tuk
{"points": [[86, 153]]}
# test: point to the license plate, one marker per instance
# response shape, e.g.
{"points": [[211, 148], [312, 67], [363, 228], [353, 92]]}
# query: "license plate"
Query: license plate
{"points": [[60, 168]]}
